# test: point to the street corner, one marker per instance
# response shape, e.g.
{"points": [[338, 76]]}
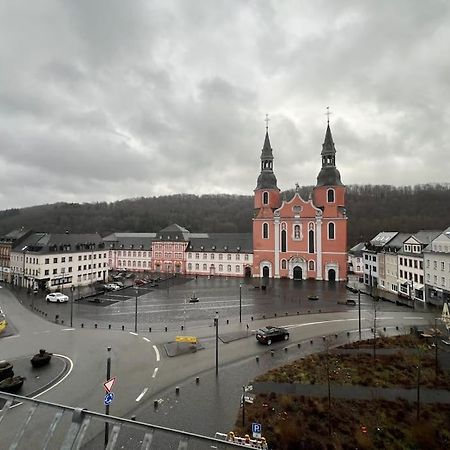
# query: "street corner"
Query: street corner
{"points": [[21, 376], [183, 345]]}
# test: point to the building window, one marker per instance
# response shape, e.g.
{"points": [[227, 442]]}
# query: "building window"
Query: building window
{"points": [[283, 264], [189, 266], [47, 272], [220, 256], [265, 231], [55, 271], [442, 265], [229, 257], [311, 241], [205, 267], [330, 196], [220, 268], [197, 256], [331, 231], [229, 268], [55, 260], [238, 257], [205, 256], [212, 255], [47, 260], [435, 265], [311, 264], [238, 268], [265, 198], [297, 232], [197, 266], [283, 240]]}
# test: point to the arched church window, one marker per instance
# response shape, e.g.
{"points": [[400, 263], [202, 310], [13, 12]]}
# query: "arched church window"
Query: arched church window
{"points": [[311, 264], [296, 231], [265, 198], [283, 264], [265, 231], [331, 230], [311, 241], [283, 240], [330, 196]]}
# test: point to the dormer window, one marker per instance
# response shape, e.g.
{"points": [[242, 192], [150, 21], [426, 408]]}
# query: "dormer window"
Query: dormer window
{"points": [[265, 198]]}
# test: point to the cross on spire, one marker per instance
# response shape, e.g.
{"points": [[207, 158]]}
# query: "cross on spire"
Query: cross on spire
{"points": [[267, 120], [328, 113]]}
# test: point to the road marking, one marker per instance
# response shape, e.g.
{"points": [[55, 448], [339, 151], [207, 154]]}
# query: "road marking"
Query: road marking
{"points": [[41, 332], [139, 397], [411, 318], [318, 323], [56, 384], [133, 333], [385, 318], [68, 329], [155, 372], [147, 339], [157, 352]]}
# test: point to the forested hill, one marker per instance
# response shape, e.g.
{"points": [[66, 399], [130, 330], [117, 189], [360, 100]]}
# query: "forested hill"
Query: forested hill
{"points": [[370, 209]]}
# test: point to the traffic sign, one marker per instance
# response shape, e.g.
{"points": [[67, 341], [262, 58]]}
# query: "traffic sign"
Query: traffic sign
{"points": [[108, 385], [256, 430], [109, 397]]}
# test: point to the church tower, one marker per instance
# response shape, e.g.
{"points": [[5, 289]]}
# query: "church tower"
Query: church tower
{"points": [[329, 197], [267, 199]]}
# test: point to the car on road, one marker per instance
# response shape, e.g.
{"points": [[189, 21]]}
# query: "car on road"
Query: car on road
{"points": [[139, 282], [270, 334], [119, 283], [57, 297], [112, 287]]}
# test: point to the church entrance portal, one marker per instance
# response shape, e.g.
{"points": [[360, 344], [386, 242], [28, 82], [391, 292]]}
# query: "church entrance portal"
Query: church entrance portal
{"points": [[248, 272], [265, 272], [331, 275], [297, 273]]}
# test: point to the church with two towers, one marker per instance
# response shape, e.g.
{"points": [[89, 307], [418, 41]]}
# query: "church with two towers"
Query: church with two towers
{"points": [[297, 238]]}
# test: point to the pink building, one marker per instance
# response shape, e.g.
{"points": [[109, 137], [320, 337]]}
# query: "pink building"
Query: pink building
{"points": [[299, 238]]}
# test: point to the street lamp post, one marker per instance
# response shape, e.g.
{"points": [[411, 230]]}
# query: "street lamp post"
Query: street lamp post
{"points": [[216, 324], [359, 313], [243, 406], [136, 291], [72, 289], [240, 302], [108, 376]]}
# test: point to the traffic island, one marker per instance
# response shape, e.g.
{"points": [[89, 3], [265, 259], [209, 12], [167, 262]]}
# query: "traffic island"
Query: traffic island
{"points": [[183, 345]]}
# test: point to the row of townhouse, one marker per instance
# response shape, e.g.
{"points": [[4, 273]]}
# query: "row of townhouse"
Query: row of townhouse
{"points": [[415, 266], [56, 261]]}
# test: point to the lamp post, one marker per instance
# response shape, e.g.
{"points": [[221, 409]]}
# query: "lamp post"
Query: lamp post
{"points": [[240, 302], [216, 324], [359, 313], [136, 291], [243, 406], [72, 289], [108, 376]]}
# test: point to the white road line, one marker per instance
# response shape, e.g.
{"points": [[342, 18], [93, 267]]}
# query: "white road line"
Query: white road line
{"points": [[411, 318], [68, 329], [139, 397], [385, 318], [41, 332], [146, 339], [318, 323], [157, 353], [155, 372], [133, 333], [56, 384]]}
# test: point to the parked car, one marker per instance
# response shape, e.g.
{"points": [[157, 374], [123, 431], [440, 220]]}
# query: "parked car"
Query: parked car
{"points": [[57, 297], [139, 282], [112, 287], [119, 283], [270, 334]]}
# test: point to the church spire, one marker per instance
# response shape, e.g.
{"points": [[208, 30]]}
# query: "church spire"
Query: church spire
{"points": [[267, 179], [328, 175]]}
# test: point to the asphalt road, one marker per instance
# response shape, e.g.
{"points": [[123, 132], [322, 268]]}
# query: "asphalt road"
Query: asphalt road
{"points": [[145, 373]]}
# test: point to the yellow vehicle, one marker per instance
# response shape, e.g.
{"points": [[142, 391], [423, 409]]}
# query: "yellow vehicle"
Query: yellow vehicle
{"points": [[190, 339], [3, 323]]}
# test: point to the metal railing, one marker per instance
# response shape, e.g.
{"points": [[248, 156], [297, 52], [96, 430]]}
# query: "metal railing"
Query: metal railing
{"points": [[68, 427]]}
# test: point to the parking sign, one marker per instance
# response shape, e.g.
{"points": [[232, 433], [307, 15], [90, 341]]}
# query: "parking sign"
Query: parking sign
{"points": [[256, 430]]}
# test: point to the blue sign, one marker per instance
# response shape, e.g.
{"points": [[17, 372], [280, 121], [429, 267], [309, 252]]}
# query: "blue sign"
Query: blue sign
{"points": [[256, 430], [109, 397]]}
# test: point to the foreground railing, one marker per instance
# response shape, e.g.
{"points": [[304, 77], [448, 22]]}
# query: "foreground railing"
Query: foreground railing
{"points": [[67, 428]]}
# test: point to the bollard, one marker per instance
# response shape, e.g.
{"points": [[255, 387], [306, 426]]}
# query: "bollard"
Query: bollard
{"points": [[298, 313], [123, 327], [336, 336], [177, 390], [109, 326], [82, 325], [323, 338], [396, 328], [56, 318], [309, 311], [45, 314], [320, 310], [251, 318], [371, 330], [271, 352], [165, 329], [257, 359], [348, 333], [133, 417], [149, 329], [197, 380], [275, 315], [299, 345], [285, 349], [62, 322], [384, 328], [287, 314], [182, 327], [311, 341], [264, 316], [155, 403], [95, 325], [228, 322]]}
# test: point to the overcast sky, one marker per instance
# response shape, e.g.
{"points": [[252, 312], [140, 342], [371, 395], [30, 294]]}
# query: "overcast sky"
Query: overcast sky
{"points": [[102, 100]]}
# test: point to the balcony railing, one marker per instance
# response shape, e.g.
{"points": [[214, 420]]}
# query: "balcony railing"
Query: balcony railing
{"points": [[74, 428]]}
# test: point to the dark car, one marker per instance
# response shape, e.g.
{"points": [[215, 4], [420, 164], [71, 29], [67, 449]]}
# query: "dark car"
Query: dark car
{"points": [[269, 334]]}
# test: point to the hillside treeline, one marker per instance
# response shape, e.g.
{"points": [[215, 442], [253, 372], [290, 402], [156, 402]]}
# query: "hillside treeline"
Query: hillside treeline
{"points": [[370, 209]]}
